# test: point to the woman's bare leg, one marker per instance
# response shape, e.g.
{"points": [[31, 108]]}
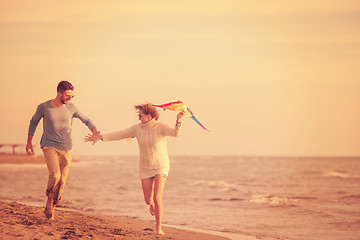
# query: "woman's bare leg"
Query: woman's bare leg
{"points": [[153, 190], [148, 190], [159, 208]]}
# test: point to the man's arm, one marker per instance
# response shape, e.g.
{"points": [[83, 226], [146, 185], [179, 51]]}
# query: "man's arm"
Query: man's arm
{"points": [[95, 131], [29, 146], [32, 127], [85, 119]]}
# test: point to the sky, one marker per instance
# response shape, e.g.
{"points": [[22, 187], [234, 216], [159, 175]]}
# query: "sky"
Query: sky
{"points": [[267, 78]]}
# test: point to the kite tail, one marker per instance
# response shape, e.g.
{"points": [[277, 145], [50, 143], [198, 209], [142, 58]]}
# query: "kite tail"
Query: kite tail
{"points": [[197, 121], [191, 115]]}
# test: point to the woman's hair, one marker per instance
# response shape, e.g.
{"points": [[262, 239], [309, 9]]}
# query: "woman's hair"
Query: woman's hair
{"points": [[64, 85], [148, 109]]}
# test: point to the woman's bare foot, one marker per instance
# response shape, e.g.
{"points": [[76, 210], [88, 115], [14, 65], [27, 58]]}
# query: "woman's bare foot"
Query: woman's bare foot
{"points": [[152, 210], [159, 231]]}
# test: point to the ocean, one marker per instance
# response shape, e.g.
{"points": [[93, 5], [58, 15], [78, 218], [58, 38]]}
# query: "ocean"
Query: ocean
{"points": [[264, 197]]}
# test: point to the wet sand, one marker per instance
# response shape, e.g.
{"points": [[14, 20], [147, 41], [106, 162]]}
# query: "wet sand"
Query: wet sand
{"points": [[20, 221]]}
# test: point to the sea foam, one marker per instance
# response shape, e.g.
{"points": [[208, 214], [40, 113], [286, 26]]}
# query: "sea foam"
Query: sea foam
{"points": [[273, 201], [341, 175]]}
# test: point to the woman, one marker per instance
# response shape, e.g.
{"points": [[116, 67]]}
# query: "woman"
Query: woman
{"points": [[154, 162]]}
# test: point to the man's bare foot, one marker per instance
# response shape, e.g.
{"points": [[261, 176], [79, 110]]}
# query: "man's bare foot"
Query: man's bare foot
{"points": [[52, 216], [49, 209], [152, 210]]}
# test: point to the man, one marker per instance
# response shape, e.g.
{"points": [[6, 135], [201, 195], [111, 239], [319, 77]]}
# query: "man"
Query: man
{"points": [[56, 140]]}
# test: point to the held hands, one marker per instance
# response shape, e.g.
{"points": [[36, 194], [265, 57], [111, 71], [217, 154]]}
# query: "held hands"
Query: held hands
{"points": [[94, 137]]}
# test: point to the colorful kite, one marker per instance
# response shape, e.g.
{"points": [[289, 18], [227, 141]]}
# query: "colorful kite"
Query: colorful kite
{"points": [[180, 106]]}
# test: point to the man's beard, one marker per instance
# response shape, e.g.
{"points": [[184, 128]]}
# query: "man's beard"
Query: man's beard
{"points": [[62, 100]]}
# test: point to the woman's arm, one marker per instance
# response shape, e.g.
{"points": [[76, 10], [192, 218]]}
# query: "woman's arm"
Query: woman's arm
{"points": [[113, 136], [174, 132], [123, 134]]}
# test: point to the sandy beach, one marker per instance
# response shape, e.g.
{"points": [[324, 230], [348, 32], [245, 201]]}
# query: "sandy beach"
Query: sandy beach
{"points": [[20, 221]]}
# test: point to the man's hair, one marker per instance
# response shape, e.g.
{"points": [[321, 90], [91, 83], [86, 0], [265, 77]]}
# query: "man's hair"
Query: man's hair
{"points": [[64, 85]]}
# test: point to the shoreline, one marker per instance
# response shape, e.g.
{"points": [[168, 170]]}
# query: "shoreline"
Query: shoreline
{"points": [[39, 226], [231, 236], [227, 235], [28, 222], [21, 159], [24, 159]]}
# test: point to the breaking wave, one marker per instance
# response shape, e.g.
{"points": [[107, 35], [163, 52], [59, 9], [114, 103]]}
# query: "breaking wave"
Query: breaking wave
{"points": [[273, 201], [341, 175], [221, 186]]}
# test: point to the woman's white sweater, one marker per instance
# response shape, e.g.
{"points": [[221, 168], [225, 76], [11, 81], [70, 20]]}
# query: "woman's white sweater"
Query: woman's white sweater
{"points": [[151, 138]]}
